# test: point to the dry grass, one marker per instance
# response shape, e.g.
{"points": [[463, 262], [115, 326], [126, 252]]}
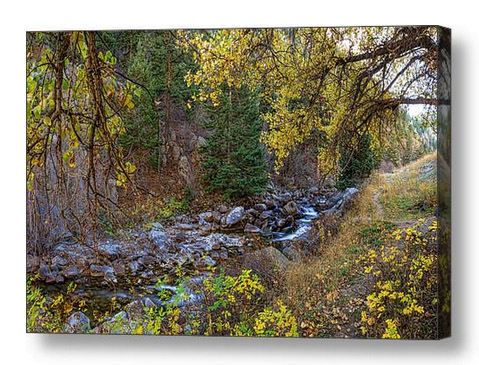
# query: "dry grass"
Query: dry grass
{"points": [[326, 292]]}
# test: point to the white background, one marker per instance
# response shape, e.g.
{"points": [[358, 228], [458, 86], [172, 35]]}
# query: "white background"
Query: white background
{"points": [[18, 16]]}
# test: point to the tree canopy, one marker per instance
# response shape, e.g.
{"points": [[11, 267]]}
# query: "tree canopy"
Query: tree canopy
{"points": [[343, 82]]}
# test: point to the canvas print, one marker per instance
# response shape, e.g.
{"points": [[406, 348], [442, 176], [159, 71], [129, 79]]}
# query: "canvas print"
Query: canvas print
{"points": [[289, 182]]}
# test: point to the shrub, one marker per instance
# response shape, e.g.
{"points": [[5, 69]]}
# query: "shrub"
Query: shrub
{"points": [[50, 314], [402, 303], [232, 307]]}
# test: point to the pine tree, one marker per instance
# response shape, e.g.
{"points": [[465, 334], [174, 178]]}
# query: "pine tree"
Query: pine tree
{"points": [[234, 160]]}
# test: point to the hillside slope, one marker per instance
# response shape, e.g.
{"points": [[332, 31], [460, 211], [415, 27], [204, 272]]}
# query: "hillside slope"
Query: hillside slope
{"points": [[376, 277]]}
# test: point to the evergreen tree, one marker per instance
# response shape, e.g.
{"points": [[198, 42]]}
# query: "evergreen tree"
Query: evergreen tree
{"points": [[152, 59], [234, 160], [359, 165]]}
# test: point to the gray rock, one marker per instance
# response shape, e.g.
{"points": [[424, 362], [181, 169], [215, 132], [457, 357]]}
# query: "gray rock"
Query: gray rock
{"points": [[146, 260], [216, 217], [206, 229], [185, 226], [135, 310], [78, 322], [70, 271], [110, 249], [119, 268], [223, 209], [291, 253], [252, 213], [147, 274], [206, 216], [349, 192], [103, 271], [270, 203], [158, 235], [266, 262], [313, 190], [133, 266], [209, 261], [119, 324], [96, 270], [341, 201], [285, 222], [46, 274], [234, 216], [260, 207], [284, 198], [266, 214], [290, 208], [60, 261], [249, 228]]}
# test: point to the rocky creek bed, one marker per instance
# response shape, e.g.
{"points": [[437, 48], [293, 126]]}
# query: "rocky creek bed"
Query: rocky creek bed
{"points": [[277, 229]]}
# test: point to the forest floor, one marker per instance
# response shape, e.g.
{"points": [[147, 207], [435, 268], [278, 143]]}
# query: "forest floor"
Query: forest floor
{"points": [[329, 292]]}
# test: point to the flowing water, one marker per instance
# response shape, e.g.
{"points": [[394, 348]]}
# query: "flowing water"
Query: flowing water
{"points": [[100, 296]]}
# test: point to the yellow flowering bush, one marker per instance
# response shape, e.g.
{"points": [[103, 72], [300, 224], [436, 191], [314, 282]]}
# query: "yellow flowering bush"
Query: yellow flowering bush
{"points": [[232, 307], [46, 314], [271, 323], [403, 300]]}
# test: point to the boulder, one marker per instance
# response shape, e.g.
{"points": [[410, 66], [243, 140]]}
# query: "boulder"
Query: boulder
{"points": [[158, 236], [249, 228], [106, 272], [185, 226], [206, 229], [266, 215], [78, 322], [234, 216], [284, 198], [267, 262], [261, 207], [285, 222], [216, 217], [70, 271], [148, 303], [133, 266], [291, 253], [135, 310], [146, 261], [206, 216], [270, 203], [208, 261], [60, 261], [341, 201], [252, 212], [110, 249], [46, 274], [223, 209], [290, 209], [119, 268]]}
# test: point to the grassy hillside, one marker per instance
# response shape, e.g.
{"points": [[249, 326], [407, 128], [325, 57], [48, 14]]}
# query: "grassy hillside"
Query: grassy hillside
{"points": [[376, 277]]}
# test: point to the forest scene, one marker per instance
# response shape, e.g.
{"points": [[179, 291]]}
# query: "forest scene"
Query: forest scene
{"points": [[234, 182]]}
